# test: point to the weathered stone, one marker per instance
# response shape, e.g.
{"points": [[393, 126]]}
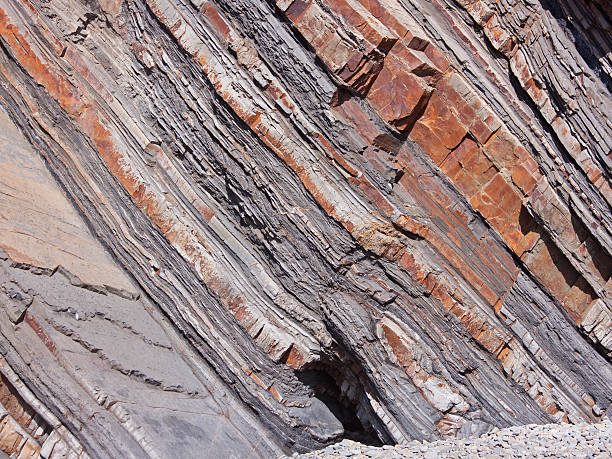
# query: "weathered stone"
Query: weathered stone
{"points": [[293, 222], [398, 95]]}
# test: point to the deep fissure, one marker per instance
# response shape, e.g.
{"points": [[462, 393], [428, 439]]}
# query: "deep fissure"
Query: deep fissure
{"points": [[344, 398]]}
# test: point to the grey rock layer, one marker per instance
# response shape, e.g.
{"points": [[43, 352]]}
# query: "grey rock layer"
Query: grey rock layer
{"points": [[253, 227]]}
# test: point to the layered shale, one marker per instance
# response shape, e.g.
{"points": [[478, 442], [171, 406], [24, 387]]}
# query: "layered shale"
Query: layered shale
{"points": [[255, 227]]}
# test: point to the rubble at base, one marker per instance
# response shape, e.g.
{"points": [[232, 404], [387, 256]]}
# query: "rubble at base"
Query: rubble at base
{"points": [[593, 441]]}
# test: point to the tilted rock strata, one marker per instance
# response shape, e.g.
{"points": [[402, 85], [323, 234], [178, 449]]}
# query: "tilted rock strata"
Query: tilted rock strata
{"points": [[28, 428], [376, 218], [92, 347]]}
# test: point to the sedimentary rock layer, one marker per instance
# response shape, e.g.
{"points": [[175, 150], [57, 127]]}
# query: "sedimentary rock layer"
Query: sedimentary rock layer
{"points": [[255, 227]]}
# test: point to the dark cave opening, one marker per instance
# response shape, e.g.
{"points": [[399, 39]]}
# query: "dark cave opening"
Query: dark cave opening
{"points": [[343, 404]]}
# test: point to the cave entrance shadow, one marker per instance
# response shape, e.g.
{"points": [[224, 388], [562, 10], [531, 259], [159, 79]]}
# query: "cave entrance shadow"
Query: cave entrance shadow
{"points": [[327, 389]]}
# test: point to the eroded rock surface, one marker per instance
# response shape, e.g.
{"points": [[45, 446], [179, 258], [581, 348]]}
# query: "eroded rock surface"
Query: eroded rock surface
{"points": [[254, 227]]}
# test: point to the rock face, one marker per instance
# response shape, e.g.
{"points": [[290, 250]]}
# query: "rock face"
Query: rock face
{"points": [[252, 227]]}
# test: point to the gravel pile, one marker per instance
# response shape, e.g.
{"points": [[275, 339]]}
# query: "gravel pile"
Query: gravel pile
{"points": [[529, 441]]}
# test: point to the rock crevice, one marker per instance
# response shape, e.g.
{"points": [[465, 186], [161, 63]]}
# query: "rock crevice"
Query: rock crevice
{"points": [[292, 222]]}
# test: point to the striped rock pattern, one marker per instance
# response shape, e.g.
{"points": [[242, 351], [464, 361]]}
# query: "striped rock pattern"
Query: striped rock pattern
{"points": [[253, 227]]}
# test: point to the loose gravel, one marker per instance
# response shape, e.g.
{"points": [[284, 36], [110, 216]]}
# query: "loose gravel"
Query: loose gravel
{"points": [[528, 441]]}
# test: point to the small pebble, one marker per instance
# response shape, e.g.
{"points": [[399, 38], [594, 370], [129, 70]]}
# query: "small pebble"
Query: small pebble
{"points": [[529, 441]]}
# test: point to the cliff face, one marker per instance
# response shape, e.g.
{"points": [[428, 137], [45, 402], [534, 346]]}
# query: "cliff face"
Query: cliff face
{"points": [[247, 227]]}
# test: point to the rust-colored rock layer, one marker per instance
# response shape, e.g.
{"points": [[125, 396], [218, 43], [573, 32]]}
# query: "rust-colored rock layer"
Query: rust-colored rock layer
{"points": [[252, 227]]}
